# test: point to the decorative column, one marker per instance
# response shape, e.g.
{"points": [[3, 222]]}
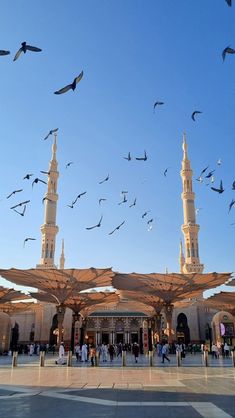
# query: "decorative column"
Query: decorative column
{"points": [[169, 310], [158, 322], [60, 317]]}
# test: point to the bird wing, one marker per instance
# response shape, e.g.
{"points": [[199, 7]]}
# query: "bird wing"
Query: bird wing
{"points": [[224, 52], [139, 158], [3, 52], [119, 226], [91, 227], [64, 89], [42, 181], [221, 185], [229, 2], [47, 136], [215, 190], [33, 48], [18, 54], [54, 130], [78, 78], [233, 185], [9, 195], [100, 220]]}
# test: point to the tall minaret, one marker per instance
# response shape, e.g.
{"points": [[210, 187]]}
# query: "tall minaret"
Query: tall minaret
{"points": [[49, 229], [189, 228], [62, 257], [181, 257]]}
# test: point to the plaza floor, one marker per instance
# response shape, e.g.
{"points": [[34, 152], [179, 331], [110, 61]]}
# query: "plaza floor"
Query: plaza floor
{"points": [[111, 390]]}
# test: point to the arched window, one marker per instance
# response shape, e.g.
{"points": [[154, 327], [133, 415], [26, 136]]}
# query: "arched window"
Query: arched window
{"points": [[47, 251]]}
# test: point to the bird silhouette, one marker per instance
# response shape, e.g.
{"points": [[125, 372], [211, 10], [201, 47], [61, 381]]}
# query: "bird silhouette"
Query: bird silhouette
{"points": [[220, 190], [38, 180], [96, 226], [233, 186], [71, 86], [106, 179], [200, 179], [165, 171], [229, 2], [75, 200], [52, 131], [133, 204], [227, 50], [145, 214], [29, 239], [157, 104], [14, 192], [210, 174], [150, 221], [142, 158], [21, 213], [4, 52], [117, 227], [124, 200], [20, 204], [128, 158], [102, 200], [231, 205], [196, 112], [24, 47], [69, 164], [27, 176]]}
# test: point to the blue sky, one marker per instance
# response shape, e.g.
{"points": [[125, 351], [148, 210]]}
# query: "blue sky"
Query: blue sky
{"points": [[133, 53]]}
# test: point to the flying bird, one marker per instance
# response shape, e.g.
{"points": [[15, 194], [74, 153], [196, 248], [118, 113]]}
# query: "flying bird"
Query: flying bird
{"points": [[200, 179], [96, 226], [20, 204], [128, 158], [150, 221], [233, 186], [117, 227], [157, 104], [124, 200], [196, 112], [145, 214], [71, 86], [24, 47], [227, 50], [231, 205], [4, 52], [14, 192], [106, 179], [27, 176], [142, 158], [52, 131], [220, 190], [133, 204], [229, 2], [69, 164], [29, 239], [38, 180], [21, 213], [165, 171], [197, 210], [75, 200], [102, 200]]}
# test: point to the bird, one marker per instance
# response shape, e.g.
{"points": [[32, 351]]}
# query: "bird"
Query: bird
{"points": [[196, 112], [46, 198], [117, 227], [128, 158], [52, 131], [24, 47], [145, 214], [37, 180], [96, 226], [69, 164], [220, 190], [102, 200], [200, 179], [106, 179], [29, 239], [27, 176], [231, 205], [204, 170], [165, 171], [227, 50], [124, 200], [133, 204], [45, 172], [197, 210], [229, 2], [14, 192], [219, 161], [157, 104], [210, 174], [21, 213], [233, 186], [4, 52], [75, 200], [71, 86], [150, 221], [20, 204], [142, 158]]}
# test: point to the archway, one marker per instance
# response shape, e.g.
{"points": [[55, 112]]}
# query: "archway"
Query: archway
{"points": [[182, 329], [223, 325]]}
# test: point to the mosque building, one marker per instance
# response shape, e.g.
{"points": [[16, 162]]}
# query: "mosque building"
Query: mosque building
{"points": [[123, 322]]}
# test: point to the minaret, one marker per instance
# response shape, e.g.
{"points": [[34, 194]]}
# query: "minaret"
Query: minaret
{"points": [[181, 257], [49, 229], [189, 228], [62, 258]]}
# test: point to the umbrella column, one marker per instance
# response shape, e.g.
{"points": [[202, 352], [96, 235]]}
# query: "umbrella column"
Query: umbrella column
{"points": [[76, 332], [60, 317], [158, 323], [168, 311]]}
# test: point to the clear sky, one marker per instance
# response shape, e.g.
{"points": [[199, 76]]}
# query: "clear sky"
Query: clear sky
{"points": [[133, 53]]}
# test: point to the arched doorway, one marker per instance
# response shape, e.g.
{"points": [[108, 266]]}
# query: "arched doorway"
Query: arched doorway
{"points": [[182, 329], [223, 326]]}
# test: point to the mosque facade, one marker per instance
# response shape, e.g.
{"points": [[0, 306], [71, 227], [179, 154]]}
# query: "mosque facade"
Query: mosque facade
{"points": [[122, 323]]}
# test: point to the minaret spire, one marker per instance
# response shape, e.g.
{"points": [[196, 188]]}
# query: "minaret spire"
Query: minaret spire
{"points": [[181, 257], [62, 257], [189, 228], [49, 229]]}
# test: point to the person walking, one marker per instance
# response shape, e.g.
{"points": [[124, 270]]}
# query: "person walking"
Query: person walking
{"points": [[84, 352], [226, 350], [111, 351], [135, 351], [164, 353], [92, 353], [77, 351]]}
